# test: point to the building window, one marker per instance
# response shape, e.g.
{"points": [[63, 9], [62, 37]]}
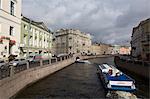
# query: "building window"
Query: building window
{"points": [[11, 30], [30, 41], [25, 27], [30, 29], [12, 7], [25, 39], [70, 38]]}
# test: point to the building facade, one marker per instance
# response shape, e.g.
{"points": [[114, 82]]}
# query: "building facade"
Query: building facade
{"points": [[125, 50], [101, 48], [10, 20], [119, 49], [71, 41], [140, 40], [116, 49], [36, 38], [54, 48]]}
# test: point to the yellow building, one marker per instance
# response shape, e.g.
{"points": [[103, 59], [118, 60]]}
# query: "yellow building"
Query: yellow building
{"points": [[36, 38], [101, 48]]}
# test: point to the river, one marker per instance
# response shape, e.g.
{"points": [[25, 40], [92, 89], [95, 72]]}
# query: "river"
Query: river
{"points": [[75, 81]]}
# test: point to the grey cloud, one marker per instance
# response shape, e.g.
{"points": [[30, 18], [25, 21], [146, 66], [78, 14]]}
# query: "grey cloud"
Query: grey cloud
{"points": [[109, 21], [137, 10]]}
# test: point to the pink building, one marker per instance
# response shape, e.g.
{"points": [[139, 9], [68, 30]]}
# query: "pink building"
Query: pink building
{"points": [[124, 50]]}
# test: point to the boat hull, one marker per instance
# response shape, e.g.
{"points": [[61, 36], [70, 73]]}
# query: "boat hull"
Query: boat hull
{"points": [[121, 83], [82, 61]]}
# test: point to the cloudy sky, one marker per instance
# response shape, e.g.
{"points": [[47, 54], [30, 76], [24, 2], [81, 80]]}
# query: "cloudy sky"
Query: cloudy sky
{"points": [[109, 21]]}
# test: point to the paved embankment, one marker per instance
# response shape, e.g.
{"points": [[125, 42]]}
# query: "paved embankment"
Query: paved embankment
{"points": [[139, 68], [11, 85]]}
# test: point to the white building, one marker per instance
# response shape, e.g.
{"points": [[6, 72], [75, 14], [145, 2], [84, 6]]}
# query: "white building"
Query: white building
{"points": [[116, 49], [71, 41], [10, 20]]}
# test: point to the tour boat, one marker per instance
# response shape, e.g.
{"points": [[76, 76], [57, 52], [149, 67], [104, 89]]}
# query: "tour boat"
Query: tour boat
{"points": [[114, 79]]}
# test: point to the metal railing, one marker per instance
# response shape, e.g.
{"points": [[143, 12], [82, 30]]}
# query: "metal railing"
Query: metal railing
{"points": [[139, 62], [10, 70]]}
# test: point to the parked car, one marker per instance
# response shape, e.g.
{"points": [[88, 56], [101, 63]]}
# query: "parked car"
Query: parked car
{"points": [[20, 61], [3, 64], [11, 57], [30, 58], [89, 54], [61, 55], [34, 58], [54, 55]]}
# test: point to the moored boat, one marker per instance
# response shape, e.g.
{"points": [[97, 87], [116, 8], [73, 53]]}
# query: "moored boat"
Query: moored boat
{"points": [[114, 79], [82, 61]]}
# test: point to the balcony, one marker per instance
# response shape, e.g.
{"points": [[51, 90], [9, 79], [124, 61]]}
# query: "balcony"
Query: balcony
{"points": [[12, 42]]}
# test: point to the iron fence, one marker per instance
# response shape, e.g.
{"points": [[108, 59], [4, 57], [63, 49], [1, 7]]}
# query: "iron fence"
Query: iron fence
{"points": [[7, 71]]}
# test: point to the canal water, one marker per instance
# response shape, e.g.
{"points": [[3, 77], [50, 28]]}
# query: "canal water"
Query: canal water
{"points": [[75, 81]]}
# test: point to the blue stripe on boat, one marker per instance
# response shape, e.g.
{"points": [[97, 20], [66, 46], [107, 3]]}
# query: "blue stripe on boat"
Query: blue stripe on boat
{"points": [[122, 77], [121, 88]]}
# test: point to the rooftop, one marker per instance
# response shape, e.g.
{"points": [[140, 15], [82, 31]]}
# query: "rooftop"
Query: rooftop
{"points": [[38, 24]]}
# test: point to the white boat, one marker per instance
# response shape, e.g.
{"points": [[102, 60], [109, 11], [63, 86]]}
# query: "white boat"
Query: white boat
{"points": [[114, 79], [82, 61]]}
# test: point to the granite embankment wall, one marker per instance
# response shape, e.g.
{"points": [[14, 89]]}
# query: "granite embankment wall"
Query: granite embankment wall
{"points": [[98, 56], [11, 85], [141, 69]]}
